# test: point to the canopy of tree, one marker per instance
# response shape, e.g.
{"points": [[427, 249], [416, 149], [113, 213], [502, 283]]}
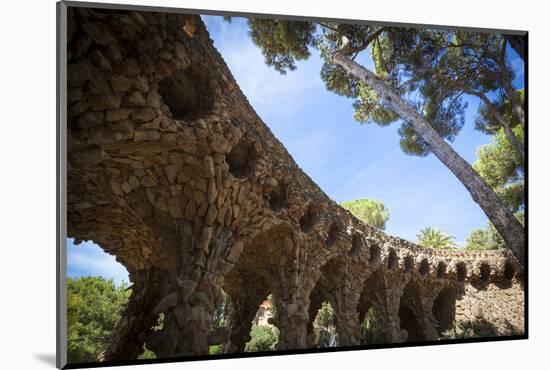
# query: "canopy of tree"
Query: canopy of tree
{"points": [[93, 310], [502, 167], [370, 211]]}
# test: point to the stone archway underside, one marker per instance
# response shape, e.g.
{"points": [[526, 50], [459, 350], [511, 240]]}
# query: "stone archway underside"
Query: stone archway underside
{"points": [[171, 170]]}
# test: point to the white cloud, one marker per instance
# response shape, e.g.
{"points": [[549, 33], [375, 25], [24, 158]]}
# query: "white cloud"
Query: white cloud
{"points": [[267, 89]]}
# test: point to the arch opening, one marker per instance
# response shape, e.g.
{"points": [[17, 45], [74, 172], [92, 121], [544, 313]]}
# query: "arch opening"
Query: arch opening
{"points": [[277, 198], [357, 243], [332, 235], [424, 267], [484, 272], [441, 270], [509, 270], [410, 307], [460, 271], [409, 264], [374, 254], [324, 327], [264, 334], [444, 310], [392, 259]]}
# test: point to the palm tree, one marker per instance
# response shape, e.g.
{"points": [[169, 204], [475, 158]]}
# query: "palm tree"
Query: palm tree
{"points": [[434, 238]]}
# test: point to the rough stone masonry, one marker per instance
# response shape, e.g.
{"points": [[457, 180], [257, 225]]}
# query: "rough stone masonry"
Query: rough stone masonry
{"points": [[172, 171]]}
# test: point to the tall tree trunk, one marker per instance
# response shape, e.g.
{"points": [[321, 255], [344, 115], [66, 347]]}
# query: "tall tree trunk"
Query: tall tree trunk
{"points": [[507, 225]]}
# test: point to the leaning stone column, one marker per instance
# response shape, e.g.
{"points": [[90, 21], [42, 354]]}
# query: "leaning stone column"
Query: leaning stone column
{"points": [[348, 327], [137, 317], [291, 319]]}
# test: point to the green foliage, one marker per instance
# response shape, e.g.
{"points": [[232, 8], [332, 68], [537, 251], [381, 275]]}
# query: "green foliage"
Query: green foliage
{"points": [[93, 310], [432, 69], [146, 354], [434, 238], [471, 329], [215, 349], [282, 42], [486, 120], [262, 338], [221, 314], [273, 306], [467, 332], [370, 211], [502, 167], [326, 318], [488, 238], [371, 328]]}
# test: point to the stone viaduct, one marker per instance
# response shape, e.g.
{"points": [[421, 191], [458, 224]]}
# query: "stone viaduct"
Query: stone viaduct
{"points": [[171, 170]]}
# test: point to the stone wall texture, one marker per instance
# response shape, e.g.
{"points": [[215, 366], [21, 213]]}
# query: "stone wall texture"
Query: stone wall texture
{"points": [[171, 170]]}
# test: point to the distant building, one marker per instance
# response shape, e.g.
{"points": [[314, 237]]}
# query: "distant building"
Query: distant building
{"points": [[265, 311]]}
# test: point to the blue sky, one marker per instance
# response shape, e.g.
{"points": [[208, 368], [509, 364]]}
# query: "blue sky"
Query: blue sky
{"points": [[346, 159]]}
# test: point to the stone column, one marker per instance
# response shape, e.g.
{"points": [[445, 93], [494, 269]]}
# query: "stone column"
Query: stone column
{"points": [[187, 321], [137, 317], [348, 327], [291, 319]]}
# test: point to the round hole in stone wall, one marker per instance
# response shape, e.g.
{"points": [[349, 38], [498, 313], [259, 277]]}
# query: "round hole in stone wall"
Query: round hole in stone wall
{"points": [[278, 198], [356, 244], [484, 272], [441, 270], [424, 267], [392, 260], [309, 219], [509, 270], [187, 92], [242, 159], [374, 253], [460, 271], [409, 264], [332, 236]]}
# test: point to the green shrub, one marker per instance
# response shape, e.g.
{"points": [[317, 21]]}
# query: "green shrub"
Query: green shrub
{"points": [[215, 349], [93, 310], [371, 329], [262, 338]]}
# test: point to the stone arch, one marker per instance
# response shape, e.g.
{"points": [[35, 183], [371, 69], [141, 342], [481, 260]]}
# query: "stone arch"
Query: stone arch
{"points": [[509, 270], [332, 235], [357, 244], [310, 218], [441, 270], [374, 253], [278, 197], [411, 312], [242, 158], [392, 259], [373, 303], [484, 272], [408, 263], [187, 93], [444, 309], [424, 268], [460, 271]]}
